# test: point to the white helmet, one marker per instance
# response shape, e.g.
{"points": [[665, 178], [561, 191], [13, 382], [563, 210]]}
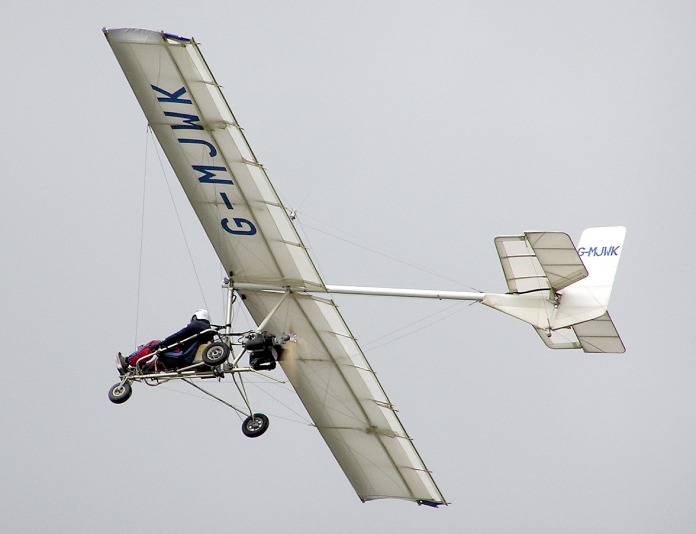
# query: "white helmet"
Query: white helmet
{"points": [[201, 315]]}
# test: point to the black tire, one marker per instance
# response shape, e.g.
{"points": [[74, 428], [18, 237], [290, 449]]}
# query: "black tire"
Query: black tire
{"points": [[215, 353], [120, 393], [253, 427]]}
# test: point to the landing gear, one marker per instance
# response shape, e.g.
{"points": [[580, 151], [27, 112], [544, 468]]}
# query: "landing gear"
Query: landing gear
{"points": [[215, 353], [255, 425], [120, 393]]}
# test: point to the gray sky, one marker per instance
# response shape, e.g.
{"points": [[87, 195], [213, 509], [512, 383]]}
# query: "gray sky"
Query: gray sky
{"points": [[421, 132]]}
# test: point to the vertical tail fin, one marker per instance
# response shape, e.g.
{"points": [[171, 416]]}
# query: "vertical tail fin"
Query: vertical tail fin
{"points": [[600, 250]]}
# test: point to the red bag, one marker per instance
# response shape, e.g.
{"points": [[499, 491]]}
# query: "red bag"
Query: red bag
{"points": [[142, 352]]}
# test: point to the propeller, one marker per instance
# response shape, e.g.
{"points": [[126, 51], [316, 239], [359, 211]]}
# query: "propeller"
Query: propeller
{"points": [[288, 357]]}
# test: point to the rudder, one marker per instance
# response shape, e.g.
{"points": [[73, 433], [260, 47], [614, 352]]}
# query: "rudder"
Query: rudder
{"points": [[600, 250]]}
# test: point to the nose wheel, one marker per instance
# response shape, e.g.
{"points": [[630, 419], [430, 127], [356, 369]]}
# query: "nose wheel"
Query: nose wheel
{"points": [[120, 393]]}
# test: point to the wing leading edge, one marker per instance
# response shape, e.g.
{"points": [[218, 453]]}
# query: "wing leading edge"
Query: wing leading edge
{"points": [[257, 243], [226, 185]]}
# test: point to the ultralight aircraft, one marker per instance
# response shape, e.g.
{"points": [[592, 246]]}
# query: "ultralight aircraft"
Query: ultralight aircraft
{"points": [[560, 289]]}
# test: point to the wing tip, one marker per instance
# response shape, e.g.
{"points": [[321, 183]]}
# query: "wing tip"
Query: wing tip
{"points": [[431, 504]]}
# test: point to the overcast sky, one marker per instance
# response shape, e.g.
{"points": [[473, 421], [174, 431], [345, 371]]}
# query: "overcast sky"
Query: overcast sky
{"points": [[407, 136]]}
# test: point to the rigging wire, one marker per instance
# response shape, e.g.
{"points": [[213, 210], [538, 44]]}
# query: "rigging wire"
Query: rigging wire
{"points": [[237, 410], [364, 247], [310, 246], [142, 234], [305, 236], [370, 345], [181, 226], [302, 420], [257, 385]]}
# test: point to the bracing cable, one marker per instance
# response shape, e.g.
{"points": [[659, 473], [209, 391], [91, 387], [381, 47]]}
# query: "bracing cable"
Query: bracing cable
{"points": [[142, 233], [354, 242], [181, 226]]}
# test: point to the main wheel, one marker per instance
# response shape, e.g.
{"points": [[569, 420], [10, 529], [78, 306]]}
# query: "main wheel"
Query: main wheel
{"points": [[255, 425], [215, 353], [120, 393]]}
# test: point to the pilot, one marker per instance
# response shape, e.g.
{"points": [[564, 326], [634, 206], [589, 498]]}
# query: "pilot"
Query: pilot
{"points": [[177, 355], [184, 353]]}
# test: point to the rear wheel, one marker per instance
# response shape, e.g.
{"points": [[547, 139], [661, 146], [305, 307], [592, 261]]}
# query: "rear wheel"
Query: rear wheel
{"points": [[255, 425], [120, 393], [215, 353]]}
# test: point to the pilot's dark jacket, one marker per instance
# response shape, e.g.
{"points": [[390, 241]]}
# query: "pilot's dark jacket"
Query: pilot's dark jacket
{"points": [[185, 353]]}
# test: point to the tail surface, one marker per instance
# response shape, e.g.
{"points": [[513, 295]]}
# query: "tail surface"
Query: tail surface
{"points": [[561, 290], [600, 250]]}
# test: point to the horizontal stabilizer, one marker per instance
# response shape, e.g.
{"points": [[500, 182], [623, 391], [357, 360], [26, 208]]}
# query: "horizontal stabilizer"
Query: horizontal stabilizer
{"points": [[539, 260], [563, 338], [597, 336]]}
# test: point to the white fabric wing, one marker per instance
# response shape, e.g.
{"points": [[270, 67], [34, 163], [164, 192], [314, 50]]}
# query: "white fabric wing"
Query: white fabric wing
{"points": [[345, 400], [226, 185], [257, 243]]}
